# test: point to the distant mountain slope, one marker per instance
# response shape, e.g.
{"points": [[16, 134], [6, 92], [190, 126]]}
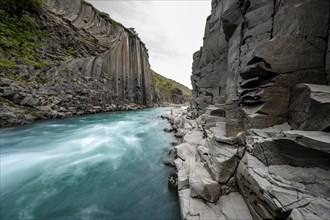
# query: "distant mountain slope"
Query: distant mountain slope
{"points": [[170, 91]]}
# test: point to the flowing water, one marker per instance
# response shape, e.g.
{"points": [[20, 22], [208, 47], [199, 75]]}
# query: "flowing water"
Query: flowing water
{"points": [[104, 166]]}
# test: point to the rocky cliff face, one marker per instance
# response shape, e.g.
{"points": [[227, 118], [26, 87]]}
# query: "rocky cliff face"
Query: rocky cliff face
{"points": [[256, 137], [94, 64], [254, 53]]}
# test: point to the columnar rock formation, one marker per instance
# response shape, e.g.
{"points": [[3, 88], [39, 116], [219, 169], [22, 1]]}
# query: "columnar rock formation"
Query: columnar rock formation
{"points": [[121, 61], [107, 70], [254, 53], [256, 142]]}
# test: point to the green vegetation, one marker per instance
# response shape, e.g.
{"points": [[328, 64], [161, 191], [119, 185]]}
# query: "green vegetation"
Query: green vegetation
{"points": [[169, 86], [20, 40], [70, 51], [7, 63], [19, 7], [20, 35]]}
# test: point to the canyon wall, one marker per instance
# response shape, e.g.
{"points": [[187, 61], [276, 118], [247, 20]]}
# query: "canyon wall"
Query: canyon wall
{"points": [[254, 53], [94, 64], [256, 141]]}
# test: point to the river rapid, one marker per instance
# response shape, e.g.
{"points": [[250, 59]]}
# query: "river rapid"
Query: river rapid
{"points": [[104, 166]]}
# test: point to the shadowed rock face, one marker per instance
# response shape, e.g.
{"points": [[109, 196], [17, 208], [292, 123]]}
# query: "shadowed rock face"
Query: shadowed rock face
{"points": [[109, 70], [254, 53]]}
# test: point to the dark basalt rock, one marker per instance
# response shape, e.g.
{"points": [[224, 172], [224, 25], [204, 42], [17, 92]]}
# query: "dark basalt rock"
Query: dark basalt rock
{"points": [[170, 157], [257, 70], [173, 182], [263, 46], [269, 74], [310, 107]]}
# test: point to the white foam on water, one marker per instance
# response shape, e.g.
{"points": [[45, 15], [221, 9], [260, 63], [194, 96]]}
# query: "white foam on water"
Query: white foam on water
{"points": [[90, 212], [89, 160], [131, 140]]}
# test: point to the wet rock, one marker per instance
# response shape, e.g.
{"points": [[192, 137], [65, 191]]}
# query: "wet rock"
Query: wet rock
{"points": [[170, 157], [168, 129], [173, 182]]}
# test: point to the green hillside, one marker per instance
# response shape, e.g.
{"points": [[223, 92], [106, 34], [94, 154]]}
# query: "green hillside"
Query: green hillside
{"points": [[168, 88]]}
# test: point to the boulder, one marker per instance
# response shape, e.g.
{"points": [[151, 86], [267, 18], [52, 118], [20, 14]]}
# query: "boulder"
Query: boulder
{"points": [[185, 151], [297, 148], [173, 182], [223, 160], [273, 192], [201, 184], [184, 169], [309, 107], [194, 137], [194, 208], [170, 156]]}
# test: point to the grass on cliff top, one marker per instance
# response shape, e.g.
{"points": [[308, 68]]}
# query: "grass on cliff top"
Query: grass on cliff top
{"points": [[169, 85], [20, 40]]}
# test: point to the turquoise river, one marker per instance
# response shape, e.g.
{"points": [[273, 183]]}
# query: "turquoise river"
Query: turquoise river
{"points": [[103, 166]]}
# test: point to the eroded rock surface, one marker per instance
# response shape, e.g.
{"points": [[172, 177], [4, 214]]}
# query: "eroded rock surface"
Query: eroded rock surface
{"points": [[254, 53], [310, 107], [108, 69], [261, 98], [269, 173]]}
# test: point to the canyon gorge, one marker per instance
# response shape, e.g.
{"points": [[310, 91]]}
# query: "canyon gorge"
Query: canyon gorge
{"points": [[253, 143]]}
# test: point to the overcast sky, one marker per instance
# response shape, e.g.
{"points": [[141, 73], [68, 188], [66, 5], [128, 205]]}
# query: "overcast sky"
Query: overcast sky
{"points": [[171, 29]]}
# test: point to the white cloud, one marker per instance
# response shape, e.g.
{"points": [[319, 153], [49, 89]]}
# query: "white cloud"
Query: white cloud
{"points": [[172, 30]]}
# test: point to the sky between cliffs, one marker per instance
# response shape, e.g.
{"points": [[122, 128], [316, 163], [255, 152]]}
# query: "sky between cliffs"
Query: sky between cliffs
{"points": [[171, 29]]}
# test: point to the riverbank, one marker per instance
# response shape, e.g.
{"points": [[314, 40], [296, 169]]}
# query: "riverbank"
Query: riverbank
{"points": [[17, 115], [13, 116], [267, 173]]}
